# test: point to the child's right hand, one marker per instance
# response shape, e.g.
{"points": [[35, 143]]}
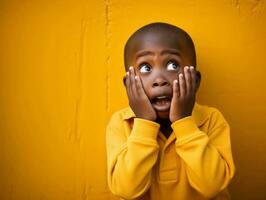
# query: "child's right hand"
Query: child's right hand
{"points": [[138, 100]]}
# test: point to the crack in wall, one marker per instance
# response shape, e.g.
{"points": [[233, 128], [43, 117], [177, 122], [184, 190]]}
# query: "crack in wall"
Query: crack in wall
{"points": [[74, 132], [255, 4], [84, 192], [107, 4], [236, 4], [250, 11], [258, 8]]}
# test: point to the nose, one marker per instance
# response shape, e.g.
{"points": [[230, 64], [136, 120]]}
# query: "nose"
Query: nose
{"points": [[159, 82]]}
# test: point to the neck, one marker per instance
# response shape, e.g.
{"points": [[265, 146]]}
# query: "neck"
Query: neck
{"points": [[164, 122], [165, 127]]}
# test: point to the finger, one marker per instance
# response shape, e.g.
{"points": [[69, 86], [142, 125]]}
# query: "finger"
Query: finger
{"points": [[126, 81], [129, 80], [132, 80], [175, 89], [187, 75], [182, 86], [183, 72], [139, 87], [193, 79]]}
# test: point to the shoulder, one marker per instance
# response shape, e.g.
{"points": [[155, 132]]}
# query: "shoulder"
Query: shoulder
{"points": [[119, 116], [122, 114], [118, 125], [211, 115]]}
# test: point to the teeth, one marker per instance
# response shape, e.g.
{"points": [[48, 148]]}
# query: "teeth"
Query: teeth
{"points": [[162, 97]]}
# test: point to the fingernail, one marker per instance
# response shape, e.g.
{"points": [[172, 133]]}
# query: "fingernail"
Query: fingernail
{"points": [[136, 77], [131, 68], [127, 73], [191, 67], [175, 81]]}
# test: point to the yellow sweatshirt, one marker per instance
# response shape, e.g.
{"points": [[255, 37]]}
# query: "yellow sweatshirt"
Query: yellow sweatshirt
{"points": [[195, 162]]}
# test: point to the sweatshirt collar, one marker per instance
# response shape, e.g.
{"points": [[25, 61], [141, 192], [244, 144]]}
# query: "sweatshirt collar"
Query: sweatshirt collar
{"points": [[199, 114]]}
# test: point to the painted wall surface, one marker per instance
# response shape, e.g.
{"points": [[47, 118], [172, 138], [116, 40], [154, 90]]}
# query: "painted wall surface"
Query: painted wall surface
{"points": [[61, 69]]}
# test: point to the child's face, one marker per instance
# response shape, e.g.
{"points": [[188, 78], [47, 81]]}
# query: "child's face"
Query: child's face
{"points": [[158, 59]]}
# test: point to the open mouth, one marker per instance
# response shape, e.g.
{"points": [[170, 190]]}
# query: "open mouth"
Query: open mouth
{"points": [[161, 103]]}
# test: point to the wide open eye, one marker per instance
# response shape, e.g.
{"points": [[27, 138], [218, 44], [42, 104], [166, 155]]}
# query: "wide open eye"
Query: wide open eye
{"points": [[144, 68], [172, 65]]}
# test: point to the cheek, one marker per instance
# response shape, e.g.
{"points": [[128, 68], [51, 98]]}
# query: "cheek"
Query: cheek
{"points": [[146, 83], [173, 76]]}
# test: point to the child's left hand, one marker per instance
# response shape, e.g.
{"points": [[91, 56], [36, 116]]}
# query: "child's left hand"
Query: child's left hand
{"points": [[184, 94]]}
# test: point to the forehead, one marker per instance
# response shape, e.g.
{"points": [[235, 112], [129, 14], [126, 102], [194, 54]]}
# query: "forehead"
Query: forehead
{"points": [[155, 40]]}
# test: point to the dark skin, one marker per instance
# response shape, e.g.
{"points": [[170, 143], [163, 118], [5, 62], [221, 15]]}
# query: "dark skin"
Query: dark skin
{"points": [[161, 82]]}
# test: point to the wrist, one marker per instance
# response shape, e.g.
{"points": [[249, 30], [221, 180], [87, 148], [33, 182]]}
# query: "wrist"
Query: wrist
{"points": [[178, 117], [145, 128], [184, 127], [149, 118]]}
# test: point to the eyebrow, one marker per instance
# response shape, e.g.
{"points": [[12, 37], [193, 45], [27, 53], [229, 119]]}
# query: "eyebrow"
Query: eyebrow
{"points": [[167, 51]]}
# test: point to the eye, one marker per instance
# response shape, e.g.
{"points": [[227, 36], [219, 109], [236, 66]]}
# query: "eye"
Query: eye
{"points": [[144, 68], [172, 65]]}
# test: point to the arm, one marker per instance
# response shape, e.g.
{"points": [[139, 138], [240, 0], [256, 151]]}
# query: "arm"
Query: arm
{"points": [[208, 158], [130, 160]]}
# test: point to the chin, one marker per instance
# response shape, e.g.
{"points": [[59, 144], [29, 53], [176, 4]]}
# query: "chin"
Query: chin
{"points": [[163, 115]]}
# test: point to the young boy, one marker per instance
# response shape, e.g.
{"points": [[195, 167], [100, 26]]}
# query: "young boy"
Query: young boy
{"points": [[165, 146]]}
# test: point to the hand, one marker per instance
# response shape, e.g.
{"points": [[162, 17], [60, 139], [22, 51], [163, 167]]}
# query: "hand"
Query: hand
{"points": [[184, 94], [138, 100]]}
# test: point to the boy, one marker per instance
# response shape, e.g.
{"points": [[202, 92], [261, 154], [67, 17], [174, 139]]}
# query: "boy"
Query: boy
{"points": [[165, 146]]}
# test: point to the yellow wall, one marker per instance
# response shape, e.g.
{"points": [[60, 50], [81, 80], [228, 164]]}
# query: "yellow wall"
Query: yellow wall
{"points": [[61, 74]]}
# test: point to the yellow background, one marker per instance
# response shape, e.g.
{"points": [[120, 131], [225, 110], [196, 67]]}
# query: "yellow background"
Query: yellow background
{"points": [[61, 68]]}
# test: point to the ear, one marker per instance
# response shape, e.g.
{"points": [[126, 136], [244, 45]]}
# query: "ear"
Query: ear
{"points": [[198, 79], [124, 80]]}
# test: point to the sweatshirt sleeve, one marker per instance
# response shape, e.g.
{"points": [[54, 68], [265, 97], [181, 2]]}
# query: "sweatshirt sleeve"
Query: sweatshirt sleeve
{"points": [[131, 158], [207, 156]]}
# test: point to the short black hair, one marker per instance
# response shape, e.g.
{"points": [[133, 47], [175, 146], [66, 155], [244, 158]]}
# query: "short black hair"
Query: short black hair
{"points": [[157, 27]]}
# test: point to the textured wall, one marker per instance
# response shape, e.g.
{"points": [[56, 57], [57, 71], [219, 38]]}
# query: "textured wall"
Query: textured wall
{"points": [[61, 74]]}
